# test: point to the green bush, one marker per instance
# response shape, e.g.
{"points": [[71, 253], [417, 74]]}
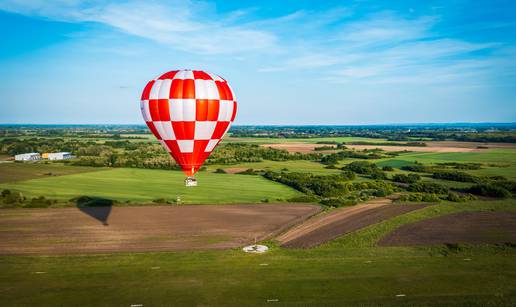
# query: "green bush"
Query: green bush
{"points": [[39, 202], [455, 176], [5, 192], [427, 187], [304, 199], [410, 178], [457, 165], [378, 175], [220, 171], [338, 202], [387, 168], [489, 190], [456, 197], [325, 186], [420, 197], [431, 198], [361, 167], [14, 198]]}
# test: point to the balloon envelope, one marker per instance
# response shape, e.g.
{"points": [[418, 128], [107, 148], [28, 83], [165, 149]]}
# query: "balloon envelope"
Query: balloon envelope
{"points": [[188, 111]]}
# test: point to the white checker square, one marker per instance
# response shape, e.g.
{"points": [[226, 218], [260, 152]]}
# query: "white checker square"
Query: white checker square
{"points": [[223, 110], [189, 108], [155, 89], [230, 110], [176, 109], [206, 89], [144, 106], [184, 74], [164, 90], [204, 130], [215, 77], [185, 145], [211, 145], [165, 130]]}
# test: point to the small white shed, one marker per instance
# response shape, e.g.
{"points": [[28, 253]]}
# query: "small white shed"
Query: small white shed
{"points": [[31, 156], [60, 156]]}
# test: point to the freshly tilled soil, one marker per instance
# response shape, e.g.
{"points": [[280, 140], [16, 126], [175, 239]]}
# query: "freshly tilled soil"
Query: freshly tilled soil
{"points": [[145, 228], [464, 227], [327, 227]]}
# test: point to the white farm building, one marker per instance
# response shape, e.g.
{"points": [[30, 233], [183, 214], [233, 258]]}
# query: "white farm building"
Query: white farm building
{"points": [[31, 156], [60, 155]]}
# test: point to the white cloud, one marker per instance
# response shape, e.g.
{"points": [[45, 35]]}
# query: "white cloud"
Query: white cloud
{"points": [[180, 26]]}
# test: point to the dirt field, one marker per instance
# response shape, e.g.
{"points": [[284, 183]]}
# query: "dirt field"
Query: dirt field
{"points": [[326, 227], [133, 229], [444, 146], [234, 170], [297, 147], [463, 227]]}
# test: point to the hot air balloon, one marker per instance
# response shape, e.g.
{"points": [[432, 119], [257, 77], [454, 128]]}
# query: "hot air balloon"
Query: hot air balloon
{"points": [[188, 111]]}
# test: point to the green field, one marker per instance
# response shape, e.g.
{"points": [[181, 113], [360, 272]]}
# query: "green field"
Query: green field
{"points": [[301, 140], [291, 165], [10, 172], [348, 272], [142, 186]]}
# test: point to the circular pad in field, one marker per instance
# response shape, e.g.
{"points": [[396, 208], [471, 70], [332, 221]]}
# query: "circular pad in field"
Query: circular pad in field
{"points": [[255, 249]]}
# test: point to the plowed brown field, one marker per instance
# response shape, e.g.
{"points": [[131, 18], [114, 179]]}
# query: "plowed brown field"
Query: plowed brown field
{"points": [[150, 228], [326, 227], [463, 227]]}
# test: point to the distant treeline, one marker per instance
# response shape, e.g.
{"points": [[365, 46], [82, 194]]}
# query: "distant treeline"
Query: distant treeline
{"points": [[418, 133]]}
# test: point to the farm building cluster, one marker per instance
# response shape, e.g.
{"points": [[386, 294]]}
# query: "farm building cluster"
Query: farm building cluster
{"points": [[34, 156]]}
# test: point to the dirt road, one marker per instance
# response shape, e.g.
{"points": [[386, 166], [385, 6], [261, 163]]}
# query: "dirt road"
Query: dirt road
{"points": [[151, 228]]}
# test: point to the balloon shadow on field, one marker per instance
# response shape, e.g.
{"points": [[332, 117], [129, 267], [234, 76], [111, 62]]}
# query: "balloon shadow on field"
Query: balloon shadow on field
{"points": [[97, 207]]}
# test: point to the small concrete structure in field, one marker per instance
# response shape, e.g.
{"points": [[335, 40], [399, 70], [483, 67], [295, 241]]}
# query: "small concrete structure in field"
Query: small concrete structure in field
{"points": [[58, 155], [31, 156], [256, 248]]}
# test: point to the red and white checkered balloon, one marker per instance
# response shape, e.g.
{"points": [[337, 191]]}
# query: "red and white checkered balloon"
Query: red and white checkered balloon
{"points": [[188, 111]]}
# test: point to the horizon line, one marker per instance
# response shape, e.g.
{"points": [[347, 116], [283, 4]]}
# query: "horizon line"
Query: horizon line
{"points": [[278, 125]]}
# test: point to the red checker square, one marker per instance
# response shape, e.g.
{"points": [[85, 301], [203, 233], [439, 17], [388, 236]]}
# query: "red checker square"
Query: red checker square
{"points": [[223, 90], [164, 110], [220, 128], [213, 109], [199, 147], [168, 75], [184, 130], [154, 110], [147, 89], [198, 74], [201, 109], [234, 110], [182, 89]]}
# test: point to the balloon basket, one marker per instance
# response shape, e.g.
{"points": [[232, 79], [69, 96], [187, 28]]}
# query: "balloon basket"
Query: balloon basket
{"points": [[190, 182]]}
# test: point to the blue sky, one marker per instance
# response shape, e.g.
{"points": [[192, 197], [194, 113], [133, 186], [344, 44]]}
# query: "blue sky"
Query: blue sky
{"points": [[289, 62]]}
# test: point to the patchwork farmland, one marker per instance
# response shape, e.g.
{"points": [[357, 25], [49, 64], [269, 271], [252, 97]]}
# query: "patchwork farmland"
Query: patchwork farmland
{"points": [[122, 225]]}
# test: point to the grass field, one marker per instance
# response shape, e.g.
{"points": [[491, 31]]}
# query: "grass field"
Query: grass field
{"points": [[302, 140], [291, 165], [141, 185], [350, 271], [10, 172]]}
